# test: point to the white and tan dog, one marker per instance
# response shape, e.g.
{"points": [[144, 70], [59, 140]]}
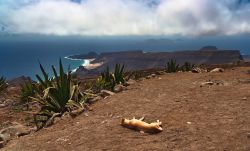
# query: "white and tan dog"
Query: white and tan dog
{"points": [[142, 126]]}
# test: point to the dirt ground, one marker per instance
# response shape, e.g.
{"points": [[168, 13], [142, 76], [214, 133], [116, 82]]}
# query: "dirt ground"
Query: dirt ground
{"points": [[206, 118]]}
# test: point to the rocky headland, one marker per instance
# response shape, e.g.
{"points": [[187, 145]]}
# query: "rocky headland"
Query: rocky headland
{"points": [[140, 60]]}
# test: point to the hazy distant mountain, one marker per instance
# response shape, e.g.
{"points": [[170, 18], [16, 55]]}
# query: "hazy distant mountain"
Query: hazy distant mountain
{"points": [[4, 30]]}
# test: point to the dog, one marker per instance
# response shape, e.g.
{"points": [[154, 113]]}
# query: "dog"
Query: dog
{"points": [[143, 127]]}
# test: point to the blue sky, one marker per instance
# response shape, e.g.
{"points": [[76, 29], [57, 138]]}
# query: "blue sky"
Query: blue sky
{"points": [[126, 17]]}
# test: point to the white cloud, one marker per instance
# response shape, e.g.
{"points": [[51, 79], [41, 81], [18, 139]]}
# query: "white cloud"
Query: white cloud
{"points": [[128, 17]]}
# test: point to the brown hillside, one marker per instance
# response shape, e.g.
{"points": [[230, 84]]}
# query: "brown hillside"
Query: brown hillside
{"points": [[211, 117]]}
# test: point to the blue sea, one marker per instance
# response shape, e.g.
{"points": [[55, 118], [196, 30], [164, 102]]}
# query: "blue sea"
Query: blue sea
{"points": [[20, 55]]}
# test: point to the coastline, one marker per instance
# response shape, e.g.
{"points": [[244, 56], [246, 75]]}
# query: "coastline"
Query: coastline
{"points": [[86, 63], [90, 66]]}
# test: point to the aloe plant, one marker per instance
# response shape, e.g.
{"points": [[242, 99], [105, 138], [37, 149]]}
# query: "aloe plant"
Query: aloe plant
{"points": [[109, 80], [187, 66], [47, 82], [3, 84], [172, 66], [106, 80], [60, 95], [27, 90], [119, 74]]}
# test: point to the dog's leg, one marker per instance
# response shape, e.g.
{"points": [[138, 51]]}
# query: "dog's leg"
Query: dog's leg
{"points": [[141, 119]]}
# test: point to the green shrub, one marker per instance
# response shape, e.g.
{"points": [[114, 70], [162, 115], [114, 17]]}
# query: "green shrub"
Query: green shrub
{"points": [[119, 74], [3, 84], [109, 80], [28, 90], [59, 96], [187, 66], [172, 66]]}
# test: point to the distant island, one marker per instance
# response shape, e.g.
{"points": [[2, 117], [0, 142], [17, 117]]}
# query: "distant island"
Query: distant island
{"points": [[140, 60]]}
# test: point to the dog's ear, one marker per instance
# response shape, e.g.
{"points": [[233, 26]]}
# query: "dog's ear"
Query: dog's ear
{"points": [[123, 119]]}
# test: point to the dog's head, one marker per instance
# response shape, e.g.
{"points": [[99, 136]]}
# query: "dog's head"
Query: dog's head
{"points": [[124, 121]]}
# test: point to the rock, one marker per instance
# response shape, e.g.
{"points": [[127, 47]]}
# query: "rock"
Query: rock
{"points": [[198, 70], [148, 77], [195, 71], [217, 70], [130, 82], [5, 137], [119, 88], [52, 119], [159, 72], [244, 98], [153, 75], [207, 83], [11, 130], [2, 105], [105, 93], [65, 116], [95, 99], [77, 112]]}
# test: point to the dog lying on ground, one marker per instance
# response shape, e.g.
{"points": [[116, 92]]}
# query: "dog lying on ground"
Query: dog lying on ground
{"points": [[142, 126]]}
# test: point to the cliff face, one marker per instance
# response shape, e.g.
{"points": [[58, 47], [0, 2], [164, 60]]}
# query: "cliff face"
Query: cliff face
{"points": [[138, 60]]}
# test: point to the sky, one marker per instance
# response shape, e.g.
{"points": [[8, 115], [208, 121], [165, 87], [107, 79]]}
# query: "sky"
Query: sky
{"points": [[126, 17]]}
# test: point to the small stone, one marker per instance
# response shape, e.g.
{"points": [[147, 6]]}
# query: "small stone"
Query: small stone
{"points": [[153, 75], [189, 123], [194, 71], [119, 88], [207, 83], [130, 82], [2, 105], [12, 130], [105, 93], [198, 70], [5, 137], [86, 114], [217, 70], [148, 77], [245, 98], [65, 116], [95, 99], [77, 112]]}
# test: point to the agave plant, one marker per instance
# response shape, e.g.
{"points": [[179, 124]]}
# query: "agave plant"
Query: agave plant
{"points": [[47, 82], [187, 66], [3, 84], [106, 80], [119, 74], [59, 96], [109, 80], [172, 66], [28, 90]]}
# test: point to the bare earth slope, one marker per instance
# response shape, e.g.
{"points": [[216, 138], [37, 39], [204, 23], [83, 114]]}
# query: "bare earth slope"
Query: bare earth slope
{"points": [[213, 117]]}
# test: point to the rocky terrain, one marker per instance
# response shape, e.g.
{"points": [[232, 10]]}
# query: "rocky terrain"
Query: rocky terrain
{"points": [[199, 111], [139, 60]]}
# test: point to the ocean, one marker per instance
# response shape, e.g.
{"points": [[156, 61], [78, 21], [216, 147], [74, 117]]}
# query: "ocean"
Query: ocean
{"points": [[20, 55]]}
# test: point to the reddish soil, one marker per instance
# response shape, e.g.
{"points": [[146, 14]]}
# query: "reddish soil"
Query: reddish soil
{"points": [[198, 118]]}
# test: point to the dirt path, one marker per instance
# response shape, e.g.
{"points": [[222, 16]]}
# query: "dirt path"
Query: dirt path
{"points": [[198, 118]]}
